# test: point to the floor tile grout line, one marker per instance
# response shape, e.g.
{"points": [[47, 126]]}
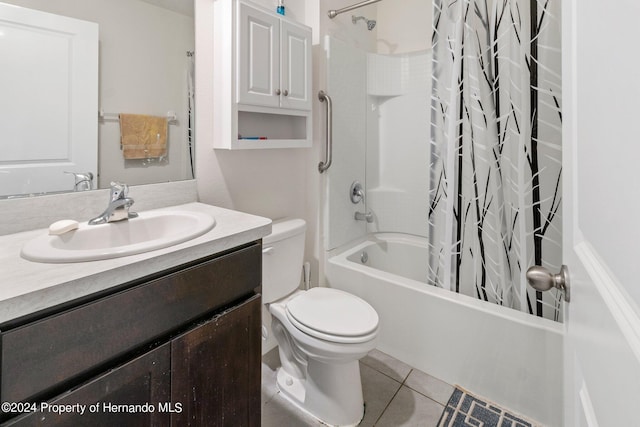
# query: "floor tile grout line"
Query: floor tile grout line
{"points": [[364, 362], [407, 377], [404, 384], [272, 397], [401, 382], [428, 397], [390, 400]]}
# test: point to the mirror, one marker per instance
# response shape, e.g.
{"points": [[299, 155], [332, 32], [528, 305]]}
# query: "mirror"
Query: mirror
{"points": [[145, 66]]}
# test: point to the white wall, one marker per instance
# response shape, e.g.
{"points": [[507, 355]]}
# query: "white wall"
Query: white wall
{"points": [[273, 183], [142, 70], [405, 28]]}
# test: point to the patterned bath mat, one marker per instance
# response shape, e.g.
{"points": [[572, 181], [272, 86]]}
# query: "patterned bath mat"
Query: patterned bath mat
{"points": [[466, 410]]}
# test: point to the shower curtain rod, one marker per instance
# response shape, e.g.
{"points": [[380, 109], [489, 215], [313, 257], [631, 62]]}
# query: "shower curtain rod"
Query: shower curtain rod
{"points": [[333, 13]]}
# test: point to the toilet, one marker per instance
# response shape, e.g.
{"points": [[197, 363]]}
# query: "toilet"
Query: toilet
{"points": [[321, 333]]}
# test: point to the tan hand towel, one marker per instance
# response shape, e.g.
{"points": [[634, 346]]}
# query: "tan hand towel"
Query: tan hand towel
{"points": [[142, 136]]}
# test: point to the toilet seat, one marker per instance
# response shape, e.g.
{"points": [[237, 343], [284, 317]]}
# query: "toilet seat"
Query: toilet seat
{"points": [[333, 315]]}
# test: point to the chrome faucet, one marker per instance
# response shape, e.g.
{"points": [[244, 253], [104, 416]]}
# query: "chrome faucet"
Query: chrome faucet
{"points": [[356, 194], [119, 205], [83, 181], [361, 216]]}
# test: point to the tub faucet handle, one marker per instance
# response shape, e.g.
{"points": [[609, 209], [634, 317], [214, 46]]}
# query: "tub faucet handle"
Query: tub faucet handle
{"points": [[356, 192]]}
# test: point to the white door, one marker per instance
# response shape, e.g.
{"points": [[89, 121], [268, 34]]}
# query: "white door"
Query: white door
{"points": [[601, 157], [295, 72], [258, 57], [48, 101]]}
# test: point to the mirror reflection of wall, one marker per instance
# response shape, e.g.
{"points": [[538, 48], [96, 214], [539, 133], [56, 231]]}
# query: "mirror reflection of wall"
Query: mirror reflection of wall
{"points": [[144, 67]]}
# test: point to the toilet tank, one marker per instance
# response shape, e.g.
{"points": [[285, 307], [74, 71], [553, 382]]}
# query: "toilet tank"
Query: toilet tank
{"points": [[282, 256]]}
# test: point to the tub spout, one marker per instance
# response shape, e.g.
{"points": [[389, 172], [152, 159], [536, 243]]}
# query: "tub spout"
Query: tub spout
{"points": [[361, 216]]}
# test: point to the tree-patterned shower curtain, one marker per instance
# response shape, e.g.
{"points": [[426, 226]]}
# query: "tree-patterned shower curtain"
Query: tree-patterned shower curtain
{"points": [[495, 195]]}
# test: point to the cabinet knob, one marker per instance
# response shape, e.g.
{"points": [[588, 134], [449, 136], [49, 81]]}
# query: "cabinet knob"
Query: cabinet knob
{"points": [[278, 92], [285, 92]]}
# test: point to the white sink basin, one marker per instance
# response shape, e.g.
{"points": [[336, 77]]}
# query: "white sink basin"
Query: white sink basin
{"points": [[149, 231]]}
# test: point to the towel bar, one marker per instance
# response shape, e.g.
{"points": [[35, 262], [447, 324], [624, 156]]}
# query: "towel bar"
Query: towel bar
{"points": [[171, 116]]}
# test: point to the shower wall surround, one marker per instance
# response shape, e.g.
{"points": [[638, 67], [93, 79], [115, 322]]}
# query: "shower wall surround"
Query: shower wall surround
{"points": [[398, 88], [380, 138], [347, 85], [495, 198]]}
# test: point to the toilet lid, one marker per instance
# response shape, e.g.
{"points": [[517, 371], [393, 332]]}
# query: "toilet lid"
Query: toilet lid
{"points": [[333, 315]]}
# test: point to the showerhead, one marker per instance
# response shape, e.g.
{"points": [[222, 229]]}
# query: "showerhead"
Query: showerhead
{"points": [[371, 23]]}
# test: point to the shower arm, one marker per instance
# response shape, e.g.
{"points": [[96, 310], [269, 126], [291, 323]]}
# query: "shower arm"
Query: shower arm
{"points": [[333, 13]]}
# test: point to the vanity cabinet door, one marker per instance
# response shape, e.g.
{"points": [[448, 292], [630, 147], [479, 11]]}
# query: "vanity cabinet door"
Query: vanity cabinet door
{"points": [[216, 370], [144, 380]]}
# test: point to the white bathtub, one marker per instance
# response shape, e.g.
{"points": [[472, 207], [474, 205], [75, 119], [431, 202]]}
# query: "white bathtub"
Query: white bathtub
{"points": [[507, 356]]}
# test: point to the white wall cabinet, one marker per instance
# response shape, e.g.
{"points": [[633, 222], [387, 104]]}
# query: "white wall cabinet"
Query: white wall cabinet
{"points": [[262, 78]]}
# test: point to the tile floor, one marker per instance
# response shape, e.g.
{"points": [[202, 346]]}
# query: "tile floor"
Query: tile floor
{"points": [[396, 395]]}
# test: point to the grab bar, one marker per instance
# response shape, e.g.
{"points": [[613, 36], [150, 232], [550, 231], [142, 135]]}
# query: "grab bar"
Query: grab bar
{"points": [[322, 96]]}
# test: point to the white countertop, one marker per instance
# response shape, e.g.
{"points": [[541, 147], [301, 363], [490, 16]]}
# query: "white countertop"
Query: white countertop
{"points": [[27, 287]]}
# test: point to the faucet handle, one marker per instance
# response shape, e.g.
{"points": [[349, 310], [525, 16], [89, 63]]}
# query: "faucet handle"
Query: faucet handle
{"points": [[356, 193], [119, 191], [79, 176]]}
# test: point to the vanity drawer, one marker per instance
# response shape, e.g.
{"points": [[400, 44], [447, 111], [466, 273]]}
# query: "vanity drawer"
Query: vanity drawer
{"points": [[61, 349]]}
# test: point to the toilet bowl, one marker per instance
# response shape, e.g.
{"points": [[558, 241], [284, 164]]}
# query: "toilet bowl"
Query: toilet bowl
{"points": [[321, 333]]}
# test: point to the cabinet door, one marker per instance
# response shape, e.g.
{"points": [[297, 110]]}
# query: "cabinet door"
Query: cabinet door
{"points": [[258, 69], [295, 51], [215, 370], [110, 399]]}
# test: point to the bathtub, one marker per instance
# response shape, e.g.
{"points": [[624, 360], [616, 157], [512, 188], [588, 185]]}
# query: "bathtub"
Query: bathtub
{"points": [[507, 356]]}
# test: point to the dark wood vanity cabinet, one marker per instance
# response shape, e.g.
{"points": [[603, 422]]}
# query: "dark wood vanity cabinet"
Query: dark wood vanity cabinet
{"points": [[181, 349], [227, 381], [144, 379]]}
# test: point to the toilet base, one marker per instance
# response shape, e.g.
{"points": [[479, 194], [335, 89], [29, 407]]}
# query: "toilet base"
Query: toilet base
{"points": [[330, 393]]}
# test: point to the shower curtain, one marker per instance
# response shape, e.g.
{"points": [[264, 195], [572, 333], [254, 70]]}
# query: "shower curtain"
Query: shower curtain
{"points": [[191, 104], [496, 172]]}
